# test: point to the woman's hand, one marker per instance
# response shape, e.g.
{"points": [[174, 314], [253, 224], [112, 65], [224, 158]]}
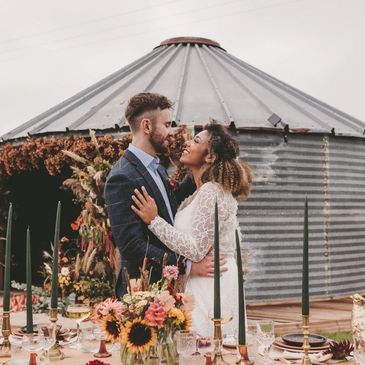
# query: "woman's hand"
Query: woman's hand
{"points": [[146, 207]]}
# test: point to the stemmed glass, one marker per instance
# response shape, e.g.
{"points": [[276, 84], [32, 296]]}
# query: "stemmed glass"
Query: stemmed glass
{"points": [[77, 312], [226, 315], [265, 337], [32, 344], [47, 331]]}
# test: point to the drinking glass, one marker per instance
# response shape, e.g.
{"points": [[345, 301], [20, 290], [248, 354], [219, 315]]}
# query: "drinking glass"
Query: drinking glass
{"points": [[32, 344], [88, 340], [359, 350], [185, 342], [17, 355], [77, 312], [47, 331], [265, 336]]}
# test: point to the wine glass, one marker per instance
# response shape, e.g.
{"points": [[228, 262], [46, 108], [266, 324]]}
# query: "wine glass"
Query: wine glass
{"points": [[265, 336], [77, 312], [47, 331], [226, 315]]}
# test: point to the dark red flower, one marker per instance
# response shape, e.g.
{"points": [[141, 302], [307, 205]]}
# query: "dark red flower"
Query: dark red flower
{"points": [[96, 362]]}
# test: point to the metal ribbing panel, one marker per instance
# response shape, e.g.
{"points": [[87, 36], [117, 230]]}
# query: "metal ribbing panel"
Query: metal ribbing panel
{"points": [[115, 93], [331, 171], [181, 85], [221, 100], [271, 220], [340, 116], [162, 69], [252, 93], [275, 92], [346, 225], [74, 102]]}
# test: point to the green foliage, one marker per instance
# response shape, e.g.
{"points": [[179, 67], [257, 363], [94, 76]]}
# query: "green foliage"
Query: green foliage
{"points": [[93, 288], [337, 336]]}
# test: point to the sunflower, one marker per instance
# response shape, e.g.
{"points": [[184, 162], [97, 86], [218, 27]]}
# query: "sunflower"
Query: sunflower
{"points": [[187, 323], [177, 314], [138, 336], [112, 328]]}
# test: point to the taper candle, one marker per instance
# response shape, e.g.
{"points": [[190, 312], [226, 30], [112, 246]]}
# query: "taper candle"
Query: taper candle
{"points": [[305, 278], [54, 294], [29, 285], [6, 298], [241, 296], [217, 289]]}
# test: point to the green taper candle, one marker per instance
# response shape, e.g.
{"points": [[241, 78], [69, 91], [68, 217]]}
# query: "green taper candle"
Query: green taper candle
{"points": [[241, 296], [54, 294], [305, 278], [217, 288], [6, 300], [29, 285]]}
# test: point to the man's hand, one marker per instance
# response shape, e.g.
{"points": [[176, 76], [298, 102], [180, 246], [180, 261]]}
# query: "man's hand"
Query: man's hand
{"points": [[205, 267]]}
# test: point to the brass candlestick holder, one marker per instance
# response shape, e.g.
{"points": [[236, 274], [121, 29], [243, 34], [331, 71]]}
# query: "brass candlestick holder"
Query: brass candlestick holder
{"points": [[306, 346], [217, 339], [244, 359], [6, 331], [54, 352]]}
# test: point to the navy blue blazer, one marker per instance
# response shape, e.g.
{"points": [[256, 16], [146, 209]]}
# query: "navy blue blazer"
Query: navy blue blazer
{"points": [[130, 233]]}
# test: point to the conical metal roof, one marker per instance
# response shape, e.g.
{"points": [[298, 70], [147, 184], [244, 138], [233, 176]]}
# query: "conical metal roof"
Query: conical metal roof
{"points": [[204, 81]]}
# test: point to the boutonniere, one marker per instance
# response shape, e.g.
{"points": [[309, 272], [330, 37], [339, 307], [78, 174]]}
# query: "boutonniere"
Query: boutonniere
{"points": [[172, 184]]}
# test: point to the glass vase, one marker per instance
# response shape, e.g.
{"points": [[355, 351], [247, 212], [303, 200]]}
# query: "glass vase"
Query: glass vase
{"points": [[166, 348], [130, 358]]}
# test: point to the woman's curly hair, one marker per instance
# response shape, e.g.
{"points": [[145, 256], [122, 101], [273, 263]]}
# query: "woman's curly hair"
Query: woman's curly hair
{"points": [[233, 175]]}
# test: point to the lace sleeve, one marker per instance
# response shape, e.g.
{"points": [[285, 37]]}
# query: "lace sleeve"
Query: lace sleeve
{"points": [[195, 245]]}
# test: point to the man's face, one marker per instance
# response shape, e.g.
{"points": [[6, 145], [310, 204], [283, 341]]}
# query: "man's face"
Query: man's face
{"points": [[161, 129]]}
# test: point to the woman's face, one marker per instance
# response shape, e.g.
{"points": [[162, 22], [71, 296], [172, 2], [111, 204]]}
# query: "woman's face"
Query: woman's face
{"points": [[196, 150]]}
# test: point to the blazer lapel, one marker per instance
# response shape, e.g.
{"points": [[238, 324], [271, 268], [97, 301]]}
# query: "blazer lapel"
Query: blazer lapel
{"points": [[151, 186]]}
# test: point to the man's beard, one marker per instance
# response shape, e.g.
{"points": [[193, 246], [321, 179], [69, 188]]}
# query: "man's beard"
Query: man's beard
{"points": [[159, 143]]}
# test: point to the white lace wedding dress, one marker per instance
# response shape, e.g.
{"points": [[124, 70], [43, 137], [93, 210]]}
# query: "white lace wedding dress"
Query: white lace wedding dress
{"points": [[192, 236]]}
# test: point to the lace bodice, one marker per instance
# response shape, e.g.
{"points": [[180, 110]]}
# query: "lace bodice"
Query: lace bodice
{"points": [[193, 232]]}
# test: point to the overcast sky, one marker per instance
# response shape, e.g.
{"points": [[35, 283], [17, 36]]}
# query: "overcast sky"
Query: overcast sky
{"points": [[49, 50]]}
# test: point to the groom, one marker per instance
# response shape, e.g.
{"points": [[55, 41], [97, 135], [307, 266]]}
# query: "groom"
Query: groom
{"points": [[148, 115]]}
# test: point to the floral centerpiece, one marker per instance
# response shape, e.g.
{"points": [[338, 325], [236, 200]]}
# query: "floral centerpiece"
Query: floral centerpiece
{"points": [[145, 321]]}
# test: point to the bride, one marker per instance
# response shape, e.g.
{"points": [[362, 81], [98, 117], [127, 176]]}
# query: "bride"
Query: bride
{"points": [[212, 158]]}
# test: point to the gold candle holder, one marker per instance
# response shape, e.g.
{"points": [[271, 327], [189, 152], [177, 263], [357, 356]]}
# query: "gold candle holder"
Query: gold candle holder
{"points": [[244, 359], [54, 352], [306, 346], [6, 331], [217, 339]]}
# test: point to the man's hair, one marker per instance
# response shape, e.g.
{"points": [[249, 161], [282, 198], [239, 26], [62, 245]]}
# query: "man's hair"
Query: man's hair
{"points": [[141, 103]]}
